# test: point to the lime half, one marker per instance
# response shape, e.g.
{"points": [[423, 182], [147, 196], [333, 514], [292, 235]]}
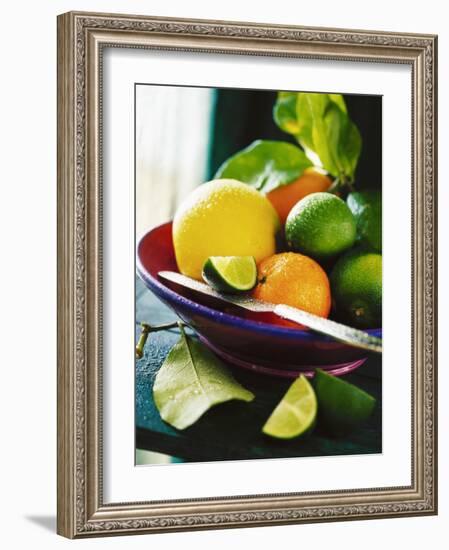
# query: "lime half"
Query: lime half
{"points": [[296, 412], [230, 273], [342, 405]]}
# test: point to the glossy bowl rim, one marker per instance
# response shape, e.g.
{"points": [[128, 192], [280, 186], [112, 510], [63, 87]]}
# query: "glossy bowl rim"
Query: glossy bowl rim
{"points": [[226, 318]]}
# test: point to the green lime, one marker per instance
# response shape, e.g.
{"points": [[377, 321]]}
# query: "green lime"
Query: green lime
{"points": [[320, 225], [342, 405], [356, 283], [366, 207], [296, 412], [230, 273]]}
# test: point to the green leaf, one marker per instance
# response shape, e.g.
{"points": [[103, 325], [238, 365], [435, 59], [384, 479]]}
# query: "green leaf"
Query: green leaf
{"points": [[323, 132], [323, 128], [339, 101], [265, 165], [366, 206], [304, 116], [351, 148], [191, 381], [284, 112]]}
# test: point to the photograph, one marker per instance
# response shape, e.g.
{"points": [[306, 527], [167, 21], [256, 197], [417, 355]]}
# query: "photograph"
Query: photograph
{"points": [[258, 292]]}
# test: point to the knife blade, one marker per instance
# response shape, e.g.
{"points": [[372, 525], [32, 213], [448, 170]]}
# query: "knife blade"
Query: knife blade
{"points": [[338, 331]]}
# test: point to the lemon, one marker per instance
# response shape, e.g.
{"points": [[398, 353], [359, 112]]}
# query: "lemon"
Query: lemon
{"points": [[223, 218]]}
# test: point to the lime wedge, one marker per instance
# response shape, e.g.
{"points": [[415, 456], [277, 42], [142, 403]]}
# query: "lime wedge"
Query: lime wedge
{"points": [[295, 413], [230, 273], [342, 405]]}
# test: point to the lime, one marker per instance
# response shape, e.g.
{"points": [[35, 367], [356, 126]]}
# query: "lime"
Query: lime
{"points": [[296, 412], [223, 218], [230, 273], [356, 284], [366, 207], [320, 225], [342, 405]]}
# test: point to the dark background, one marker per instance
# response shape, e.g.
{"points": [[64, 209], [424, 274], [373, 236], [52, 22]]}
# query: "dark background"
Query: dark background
{"points": [[242, 116]]}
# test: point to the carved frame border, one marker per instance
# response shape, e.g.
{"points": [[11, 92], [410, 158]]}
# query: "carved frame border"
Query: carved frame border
{"points": [[81, 39]]}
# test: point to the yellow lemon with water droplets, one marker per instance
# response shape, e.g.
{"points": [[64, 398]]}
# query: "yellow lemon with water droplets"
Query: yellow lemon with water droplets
{"points": [[223, 218]]}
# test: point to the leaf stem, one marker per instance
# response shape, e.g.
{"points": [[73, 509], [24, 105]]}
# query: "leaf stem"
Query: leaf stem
{"points": [[181, 327], [341, 184], [145, 331]]}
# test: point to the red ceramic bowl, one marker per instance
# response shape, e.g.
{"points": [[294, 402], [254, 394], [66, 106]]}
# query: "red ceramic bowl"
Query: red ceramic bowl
{"points": [[243, 338]]}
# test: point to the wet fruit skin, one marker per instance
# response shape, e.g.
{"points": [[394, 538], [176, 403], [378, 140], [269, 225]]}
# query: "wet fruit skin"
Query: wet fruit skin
{"points": [[227, 279], [356, 282], [295, 280], [285, 197], [342, 406], [223, 218], [320, 225], [295, 415]]}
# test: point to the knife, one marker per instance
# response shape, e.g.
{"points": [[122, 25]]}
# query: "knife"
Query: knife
{"points": [[343, 333]]}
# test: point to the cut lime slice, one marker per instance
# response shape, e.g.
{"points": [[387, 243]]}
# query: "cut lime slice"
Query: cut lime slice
{"points": [[295, 413], [230, 273], [342, 405]]}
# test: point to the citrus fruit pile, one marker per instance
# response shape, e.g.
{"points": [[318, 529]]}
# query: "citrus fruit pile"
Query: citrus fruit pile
{"points": [[275, 226], [292, 207], [299, 245]]}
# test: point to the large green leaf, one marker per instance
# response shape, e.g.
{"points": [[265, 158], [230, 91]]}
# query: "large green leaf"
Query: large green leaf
{"points": [[323, 131], [191, 381], [323, 128], [284, 112], [351, 148], [265, 165], [338, 100]]}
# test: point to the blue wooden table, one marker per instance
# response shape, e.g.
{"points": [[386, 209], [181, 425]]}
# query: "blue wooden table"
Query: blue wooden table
{"points": [[232, 430]]}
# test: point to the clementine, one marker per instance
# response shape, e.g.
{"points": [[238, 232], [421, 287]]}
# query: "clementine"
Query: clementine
{"points": [[295, 280], [285, 197]]}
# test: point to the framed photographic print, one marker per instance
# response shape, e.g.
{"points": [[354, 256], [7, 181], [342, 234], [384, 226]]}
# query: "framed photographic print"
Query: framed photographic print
{"points": [[246, 274]]}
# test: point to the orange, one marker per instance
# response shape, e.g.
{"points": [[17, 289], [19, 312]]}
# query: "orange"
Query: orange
{"points": [[285, 197], [295, 280]]}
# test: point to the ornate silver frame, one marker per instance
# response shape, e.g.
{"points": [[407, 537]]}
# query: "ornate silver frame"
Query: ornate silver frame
{"points": [[81, 38]]}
